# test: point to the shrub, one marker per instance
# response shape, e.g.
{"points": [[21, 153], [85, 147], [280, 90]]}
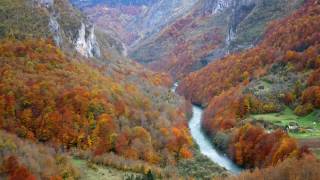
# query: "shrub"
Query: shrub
{"points": [[303, 110], [221, 141], [270, 108]]}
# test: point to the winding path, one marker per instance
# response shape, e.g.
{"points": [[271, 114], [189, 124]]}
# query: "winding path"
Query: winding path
{"points": [[205, 145]]}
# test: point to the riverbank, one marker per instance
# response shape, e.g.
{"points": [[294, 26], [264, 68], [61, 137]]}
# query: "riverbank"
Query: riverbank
{"points": [[205, 146]]}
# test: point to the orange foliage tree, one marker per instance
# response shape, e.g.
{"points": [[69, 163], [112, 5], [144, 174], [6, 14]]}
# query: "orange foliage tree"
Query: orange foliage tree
{"points": [[252, 147]]}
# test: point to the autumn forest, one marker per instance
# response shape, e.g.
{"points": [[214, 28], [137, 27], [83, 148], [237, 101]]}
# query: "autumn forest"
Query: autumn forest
{"points": [[84, 99]]}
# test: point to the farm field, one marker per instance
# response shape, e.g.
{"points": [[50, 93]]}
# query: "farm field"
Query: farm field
{"points": [[308, 126]]}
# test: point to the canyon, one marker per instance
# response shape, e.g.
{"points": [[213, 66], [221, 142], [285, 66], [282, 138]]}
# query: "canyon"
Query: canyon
{"points": [[159, 89]]}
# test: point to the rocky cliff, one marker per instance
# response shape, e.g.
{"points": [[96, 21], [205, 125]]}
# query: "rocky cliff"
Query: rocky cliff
{"points": [[55, 19], [68, 26]]}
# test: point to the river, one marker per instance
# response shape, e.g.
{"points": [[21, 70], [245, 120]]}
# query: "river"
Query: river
{"points": [[205, 146]]}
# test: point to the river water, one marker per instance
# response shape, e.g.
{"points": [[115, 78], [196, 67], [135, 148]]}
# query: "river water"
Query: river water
{"points": [[205, 146]]}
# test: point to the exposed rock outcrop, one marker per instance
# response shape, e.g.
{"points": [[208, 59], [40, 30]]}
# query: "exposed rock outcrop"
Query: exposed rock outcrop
{"points": [[80, 35], [86, 43]]}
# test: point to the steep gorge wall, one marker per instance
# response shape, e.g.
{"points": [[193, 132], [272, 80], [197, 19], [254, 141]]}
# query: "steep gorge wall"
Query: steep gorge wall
{"points": [[74, 30], [210, 31]]}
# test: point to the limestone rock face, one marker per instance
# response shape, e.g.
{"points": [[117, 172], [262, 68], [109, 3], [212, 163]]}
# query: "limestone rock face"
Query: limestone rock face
{"points": [[81, 37], [86, 43]]}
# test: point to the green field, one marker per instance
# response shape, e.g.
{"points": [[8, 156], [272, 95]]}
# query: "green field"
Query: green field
{"points": [[309, 125]]}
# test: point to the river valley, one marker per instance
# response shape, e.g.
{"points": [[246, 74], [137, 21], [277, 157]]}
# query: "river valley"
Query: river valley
{"points": [[205, 146]]}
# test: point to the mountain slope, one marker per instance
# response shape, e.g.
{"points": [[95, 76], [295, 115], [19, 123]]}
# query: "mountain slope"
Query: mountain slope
{"points": [[69, 29], [210, 30], [67, 86], [158, 17], [105, 109], [281, 72], [132, 21], [47, 97], [47, 18]]}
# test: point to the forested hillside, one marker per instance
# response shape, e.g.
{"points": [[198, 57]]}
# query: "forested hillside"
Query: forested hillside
{"points": [[57, 95], [251, 96], [210, 30], [74, 105]]}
